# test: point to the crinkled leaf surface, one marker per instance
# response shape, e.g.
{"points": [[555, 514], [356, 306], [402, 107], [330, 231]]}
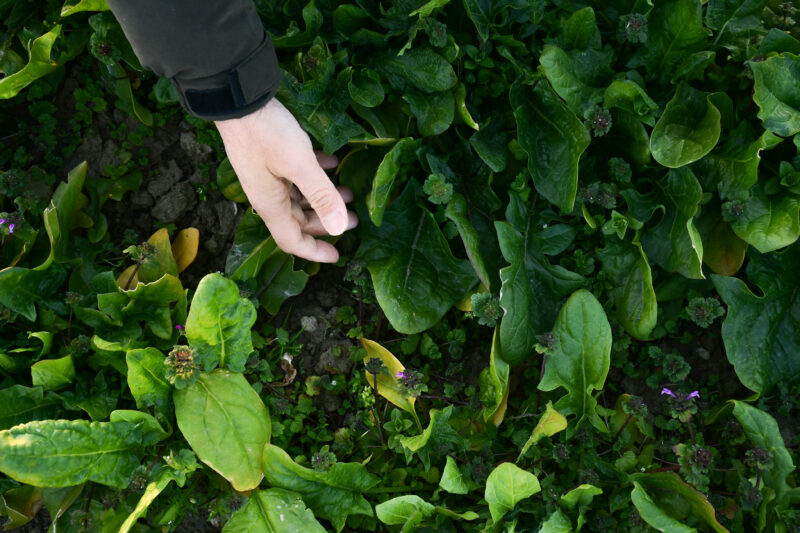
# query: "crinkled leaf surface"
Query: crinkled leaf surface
{"points": [[333, 494], [434, 112], [219, 322], [273, 511], [226, 424], [569, 80], [688, 129], [675, 243], [404, 509], [776, 82], [421, 68], [673, 485], [531, 290], [632, 286], [416, 277], [675, 30], [147, 379], [733, 20], [762, 333], [438, 432], [151, 303], [763, 432], [506, 486], [581, 357], [22, 288], [62, 453], [550, 423], [768, 222], [554, 139]]}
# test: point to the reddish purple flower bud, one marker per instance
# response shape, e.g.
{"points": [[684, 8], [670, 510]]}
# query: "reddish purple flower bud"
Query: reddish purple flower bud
{"points": [[667, 392], [11, 228], [400, 375], [693, 394], [179, 327]]}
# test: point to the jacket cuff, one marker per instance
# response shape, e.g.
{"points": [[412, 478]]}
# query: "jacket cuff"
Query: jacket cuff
{"points": [[236, 93]]}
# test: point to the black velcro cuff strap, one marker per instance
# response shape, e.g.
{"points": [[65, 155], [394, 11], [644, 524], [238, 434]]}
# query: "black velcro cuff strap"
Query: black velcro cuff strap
{"points": [[246, 88]]}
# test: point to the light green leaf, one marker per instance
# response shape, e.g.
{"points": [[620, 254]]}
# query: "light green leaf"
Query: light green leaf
{"points": [[494, 379], [332, 495], [631, 286], [569, 80], [687, 497], [429, 8], [688, 129], [273, 511], [438, 432], [218, 325], [457, 212], [580, 360], [654, 515], [84, 5], [147, 379], [59, 215], [62, 453], [460, 94], [229, 184], [39, 65], [404, 510], [19, 505], [151, 492], [416, 277], [19, 404], [385, 177], [506, 486], [776, 82], [557, 522], [675, 243], [768, 222], [151, 303], [152, 432], [453, 481], [434, 112], [478, 12], [631, 97], [554, 139], [531, 292], [581, 495], [675, 31], [763, 432], [550, 423], [227, 425], [53, 374]]}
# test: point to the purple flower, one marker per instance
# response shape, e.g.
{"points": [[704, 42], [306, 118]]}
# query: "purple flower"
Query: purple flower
{"points": [[400, 375], [11, 228], [693, 394], [179, 327], [667, 392], [3, 221], [680, 396]]}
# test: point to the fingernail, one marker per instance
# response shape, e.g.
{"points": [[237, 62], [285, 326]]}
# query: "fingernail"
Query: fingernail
{"points": [[335, 223]]}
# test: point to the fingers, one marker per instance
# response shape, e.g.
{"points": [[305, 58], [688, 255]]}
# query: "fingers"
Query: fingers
{"points": [[321, 195], [312, 225], [344, 192], [293, 239], [326, 161]]}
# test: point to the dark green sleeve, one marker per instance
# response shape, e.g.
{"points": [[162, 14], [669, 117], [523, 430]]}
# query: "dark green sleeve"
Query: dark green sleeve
{"points": [[216, 52]]}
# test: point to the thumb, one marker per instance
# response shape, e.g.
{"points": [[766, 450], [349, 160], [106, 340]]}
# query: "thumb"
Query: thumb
{"points": [[323, 197]]}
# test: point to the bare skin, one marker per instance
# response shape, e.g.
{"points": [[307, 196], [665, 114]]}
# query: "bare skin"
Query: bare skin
{"points": [[285, 181]]}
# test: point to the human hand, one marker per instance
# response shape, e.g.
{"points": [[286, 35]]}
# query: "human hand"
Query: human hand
{"points": [[272, 155]]}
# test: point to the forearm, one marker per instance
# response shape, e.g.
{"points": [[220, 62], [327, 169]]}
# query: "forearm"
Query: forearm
{"points": [[215, 52]]}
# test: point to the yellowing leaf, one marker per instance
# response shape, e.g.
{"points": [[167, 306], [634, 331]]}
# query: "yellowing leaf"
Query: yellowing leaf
{"points": [[498, 372], [125, 281], [551, 423], [184, 248], [388, 385]]}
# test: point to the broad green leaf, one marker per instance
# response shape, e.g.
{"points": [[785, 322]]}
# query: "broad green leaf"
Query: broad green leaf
{"points": [[320, 109], [457, 212], [58, 502], [62, 453], [151, 492], [226, 424], [388, 384], [229, 184], [549, 424], [280, 281], [778, 41], [39, 64], [581, 495], [554, 139], [768, 222], [365, 88], [161, 262], [690, 498], [675, 243], [762, 333], [723, 250], [152, 432], [124, 90], [273, 511], [84, 5], [53, 374], [151, 303], [763, 432], [494, 380], [557, 522], [631, 286], [733, 18], [252, 246], [675, 31], [421, 68], [332, 495], [776, 82], [147, 379], [478, 12], [293, 38], [569, 80], [416, 277], [428, 8], [580, 360], [438, 433], [506, 486], [434, 112], [688, 129], [580, 31], [60, 213], [631, 97], [490, 144], [531, 290], [407, 510], [22, 288], [453, 481], [385, 177], [654, 515], [20, 505], [20, 404], [218, 325]]}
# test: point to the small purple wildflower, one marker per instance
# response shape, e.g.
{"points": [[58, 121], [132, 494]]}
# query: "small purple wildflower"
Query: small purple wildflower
{"points": [[3, 221], [400, 375], [11, 228], [180, 327], [667, 392], [693, 394]]}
